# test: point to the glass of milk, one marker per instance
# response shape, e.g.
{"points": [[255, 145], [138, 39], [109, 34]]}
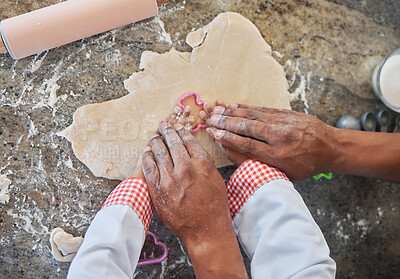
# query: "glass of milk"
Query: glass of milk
{"points": [[386, 80]]}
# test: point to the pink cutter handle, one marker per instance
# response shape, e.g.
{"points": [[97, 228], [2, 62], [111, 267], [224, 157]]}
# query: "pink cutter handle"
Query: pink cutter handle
{"points": [[156, 260], [198, 102]]}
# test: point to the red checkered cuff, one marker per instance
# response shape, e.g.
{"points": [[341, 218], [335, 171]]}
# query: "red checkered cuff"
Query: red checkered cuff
{"points": [[250, 176], [133, 193]]}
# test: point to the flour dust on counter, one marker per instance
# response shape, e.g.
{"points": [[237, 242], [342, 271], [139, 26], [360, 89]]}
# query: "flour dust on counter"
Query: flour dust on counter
{"points": [[4, 189]]}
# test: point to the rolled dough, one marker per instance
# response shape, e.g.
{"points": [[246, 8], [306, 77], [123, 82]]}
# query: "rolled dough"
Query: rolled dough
{"points": [[230, 61], [64, 246]]}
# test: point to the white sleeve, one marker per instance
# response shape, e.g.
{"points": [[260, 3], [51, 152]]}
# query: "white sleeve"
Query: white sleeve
{"points": [[280, 236], [111, 247]]}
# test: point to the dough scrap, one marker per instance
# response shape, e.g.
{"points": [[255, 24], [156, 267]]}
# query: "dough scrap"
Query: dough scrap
{"points": [[230, 61], [64, 246]]}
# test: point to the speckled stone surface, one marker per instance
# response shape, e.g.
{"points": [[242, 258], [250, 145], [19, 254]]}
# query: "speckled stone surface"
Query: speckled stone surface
{"points": [[328, 48]]}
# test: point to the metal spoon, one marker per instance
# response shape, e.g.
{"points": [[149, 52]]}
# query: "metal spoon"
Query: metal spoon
{"points": [[383, 118], [368, 122]]}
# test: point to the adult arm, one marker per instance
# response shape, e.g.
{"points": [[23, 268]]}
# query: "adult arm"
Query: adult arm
{"points": [[275, 227], [190, 196], [301, 145]]}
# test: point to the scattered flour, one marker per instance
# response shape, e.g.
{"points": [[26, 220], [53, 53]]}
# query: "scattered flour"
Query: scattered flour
{"points": [[53, 98], [13, 67], [184, 253], [320, 213], [114, 57], [164, 35], [303, 83], [379, 211], [49, 88], [277, 54], [347, 227], [32, 130], [363, 227], [68, 163], [37, 62], [4, 191], [88, 54], [340, 232], [164, 11], [32, 220]]}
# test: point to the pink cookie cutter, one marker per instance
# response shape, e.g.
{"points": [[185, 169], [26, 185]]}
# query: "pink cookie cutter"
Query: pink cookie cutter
{"points": [[151, 260], [198, 102]]}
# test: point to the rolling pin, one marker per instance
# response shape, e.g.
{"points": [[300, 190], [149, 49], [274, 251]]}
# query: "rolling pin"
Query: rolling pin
{"points": [[69, 21]]}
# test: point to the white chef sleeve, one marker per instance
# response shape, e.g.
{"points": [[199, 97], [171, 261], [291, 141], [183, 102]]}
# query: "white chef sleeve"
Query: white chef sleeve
{"points": [[113, 241], [111, 247], [276, 228]]}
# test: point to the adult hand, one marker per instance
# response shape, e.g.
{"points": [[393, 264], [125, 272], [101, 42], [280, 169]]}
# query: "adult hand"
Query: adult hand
{"points": [[190, 196], [138, 171], [298, 144]]}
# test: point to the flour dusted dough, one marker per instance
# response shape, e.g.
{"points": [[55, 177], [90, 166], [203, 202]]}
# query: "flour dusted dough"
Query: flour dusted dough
{"points": [[230, 61], [64, 246]]}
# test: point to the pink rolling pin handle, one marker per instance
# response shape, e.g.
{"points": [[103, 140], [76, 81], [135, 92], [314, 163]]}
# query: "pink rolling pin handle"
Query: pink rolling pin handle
{"points": [[69, 21]]}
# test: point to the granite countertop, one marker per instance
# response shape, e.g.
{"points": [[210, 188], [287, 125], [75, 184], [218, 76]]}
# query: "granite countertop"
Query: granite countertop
{"points": [[329, 49]]}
